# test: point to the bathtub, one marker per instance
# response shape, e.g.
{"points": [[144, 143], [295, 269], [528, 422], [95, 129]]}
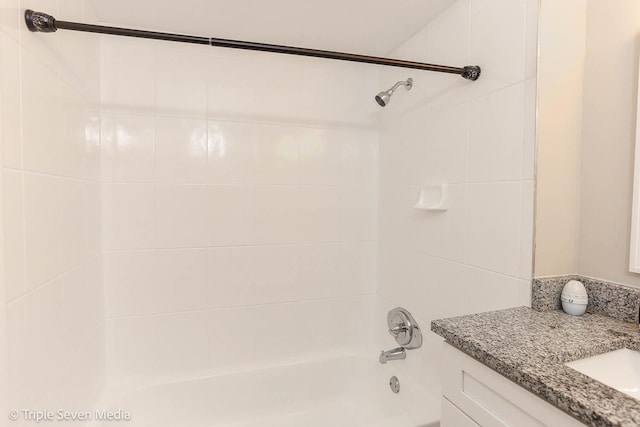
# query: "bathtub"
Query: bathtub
{"points": [[340, 391]]}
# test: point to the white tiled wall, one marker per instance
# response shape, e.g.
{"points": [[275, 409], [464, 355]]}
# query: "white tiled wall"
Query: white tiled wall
{"points": [[49, 88], [232, 199], [240, 207], [477, 137]]}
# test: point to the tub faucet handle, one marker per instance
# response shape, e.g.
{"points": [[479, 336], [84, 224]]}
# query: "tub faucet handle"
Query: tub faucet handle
{"points": [[397, 330], [404, 328]]}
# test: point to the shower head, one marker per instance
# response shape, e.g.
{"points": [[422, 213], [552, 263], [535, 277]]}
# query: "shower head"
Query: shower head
{"points": [[384, 97]]}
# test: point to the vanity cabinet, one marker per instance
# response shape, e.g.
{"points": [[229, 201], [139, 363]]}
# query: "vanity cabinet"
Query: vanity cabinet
{"points": [[475, 395]]}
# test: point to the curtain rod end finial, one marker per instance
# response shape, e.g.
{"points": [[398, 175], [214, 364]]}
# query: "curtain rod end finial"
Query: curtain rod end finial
{"points": [[471, 72], [39, 22]]}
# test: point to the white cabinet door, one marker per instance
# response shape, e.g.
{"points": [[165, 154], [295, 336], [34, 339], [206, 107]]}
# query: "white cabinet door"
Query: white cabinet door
{"points": [[492, 400]]}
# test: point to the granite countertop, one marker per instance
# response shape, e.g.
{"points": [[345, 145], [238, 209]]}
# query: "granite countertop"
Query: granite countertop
{"points": [[530, 348]]}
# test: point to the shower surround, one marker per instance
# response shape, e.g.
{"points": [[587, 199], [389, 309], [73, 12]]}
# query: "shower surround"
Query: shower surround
{"points": [[189, 216], [51, 225], [477, 138], [239, 207]]}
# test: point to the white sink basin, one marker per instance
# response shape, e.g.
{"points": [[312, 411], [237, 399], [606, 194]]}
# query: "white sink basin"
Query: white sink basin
{"points": [[618, 369]]}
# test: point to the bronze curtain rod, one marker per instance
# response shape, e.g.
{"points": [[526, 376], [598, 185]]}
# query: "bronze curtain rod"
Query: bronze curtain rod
{"points": [[44, 23]]}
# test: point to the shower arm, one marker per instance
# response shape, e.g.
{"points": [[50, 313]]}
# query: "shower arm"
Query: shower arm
{"points": [[406, 83], [44, 23]]}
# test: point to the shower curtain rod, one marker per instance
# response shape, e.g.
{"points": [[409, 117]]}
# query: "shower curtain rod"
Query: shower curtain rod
{"points": [[44, 23]]}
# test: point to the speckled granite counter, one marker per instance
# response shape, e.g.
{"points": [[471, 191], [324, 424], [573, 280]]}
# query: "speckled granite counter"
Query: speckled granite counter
{"points": [[530, 348]]}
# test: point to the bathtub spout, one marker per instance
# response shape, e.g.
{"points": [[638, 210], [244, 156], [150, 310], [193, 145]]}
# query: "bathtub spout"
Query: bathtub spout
{"points": [[395, 354]]}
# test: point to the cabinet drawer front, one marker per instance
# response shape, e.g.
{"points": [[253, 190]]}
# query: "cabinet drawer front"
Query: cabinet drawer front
{"points": [[502, 411]]}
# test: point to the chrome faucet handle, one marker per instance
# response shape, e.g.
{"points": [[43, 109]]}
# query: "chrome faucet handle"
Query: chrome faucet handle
{"points": [[397, 330], [404, 328]]}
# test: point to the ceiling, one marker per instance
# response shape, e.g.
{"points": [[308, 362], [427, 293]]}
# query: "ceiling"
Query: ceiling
{"points": [[372, 27]]}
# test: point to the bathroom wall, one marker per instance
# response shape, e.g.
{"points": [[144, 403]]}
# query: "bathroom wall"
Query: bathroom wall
{"points": [[240, 207], [478, 138], [562, 53], [608, 139], [52, 277], [608, 96]]}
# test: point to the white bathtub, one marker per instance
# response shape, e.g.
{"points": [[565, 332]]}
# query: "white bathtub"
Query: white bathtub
{"points": [[339, 391]]}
